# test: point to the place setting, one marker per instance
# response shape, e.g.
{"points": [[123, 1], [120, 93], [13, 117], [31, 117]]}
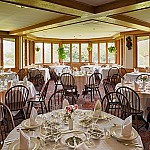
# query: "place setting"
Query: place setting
{"points": [[125, 133]]}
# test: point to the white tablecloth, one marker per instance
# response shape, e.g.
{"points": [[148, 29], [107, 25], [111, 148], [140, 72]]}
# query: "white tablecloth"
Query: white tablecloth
{"points": [[10, 75], [144, 97], [45, 73], [81, 81], [59, 68], [92, 68], [132, 75], [30, 86], [104, 72], [99, 144]]}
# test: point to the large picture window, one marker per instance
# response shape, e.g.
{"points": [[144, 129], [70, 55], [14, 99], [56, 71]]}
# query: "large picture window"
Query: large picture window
{"points": [[102, 52], [55, 53], [38, 53], [84, 52], [95, 52], [143, 51], [47, 52], [111, 56], [75, 52], [9, 52], [67, 50]]}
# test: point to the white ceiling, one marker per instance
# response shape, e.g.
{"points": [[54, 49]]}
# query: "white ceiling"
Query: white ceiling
{"points": [[90, 29], [14, 18], [143, 14]]}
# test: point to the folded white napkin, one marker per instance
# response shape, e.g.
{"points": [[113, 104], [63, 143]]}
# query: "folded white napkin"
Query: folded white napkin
{"points": [[81, 146], [33, 116], [24, 141], [65, 103], [136, 86], [127, 127], [97, 109]]}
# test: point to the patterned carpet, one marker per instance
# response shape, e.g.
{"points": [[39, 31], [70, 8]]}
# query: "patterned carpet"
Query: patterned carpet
{"points": [[86, 103]]}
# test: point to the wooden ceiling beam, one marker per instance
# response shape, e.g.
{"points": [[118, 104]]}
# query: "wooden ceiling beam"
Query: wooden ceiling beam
{"points": [[133, 4], [132, 20], [73, 4], [58, 6], [22, 31]]}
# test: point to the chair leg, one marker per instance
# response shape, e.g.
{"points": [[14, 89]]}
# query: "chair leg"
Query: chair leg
{"points": [[28, 109], [99, 93], [42, 108], [91, 95], [136, 121], [45, 106]]}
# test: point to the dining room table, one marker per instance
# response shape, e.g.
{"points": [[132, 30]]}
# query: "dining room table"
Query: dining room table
{"points": [[131, 76], [4, 87], [92, 68], [51, 131], [59, 68], [45, 73], [144, 94], [81, 80], [9, 75]]}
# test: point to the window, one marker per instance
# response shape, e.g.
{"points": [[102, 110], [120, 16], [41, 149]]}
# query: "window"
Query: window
{"points": [[143, 51], [75, 52], [102, 52], [84, 52], [111, 56], [47, 52], [55, 53], [9, 52], [95, 52], [67, 50], [38, 53]]}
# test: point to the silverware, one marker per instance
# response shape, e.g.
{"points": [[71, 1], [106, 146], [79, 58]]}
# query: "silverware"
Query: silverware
{"points": [[130, 144]]}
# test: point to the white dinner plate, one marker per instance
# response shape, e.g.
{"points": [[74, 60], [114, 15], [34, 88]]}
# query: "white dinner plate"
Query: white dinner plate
{"points": [[34, 144], [73, 141], [116, 133], [26, 123]]}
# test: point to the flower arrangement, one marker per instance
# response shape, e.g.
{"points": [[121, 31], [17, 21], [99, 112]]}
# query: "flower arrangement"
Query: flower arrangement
{"points": [[144, 78], [70, 109]]}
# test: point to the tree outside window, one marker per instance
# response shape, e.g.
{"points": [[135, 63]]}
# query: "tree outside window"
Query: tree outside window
{"points": [[95, 52], [143, 51], [75, 52], [67, 50], [84, 52], [102, 52], [47, 52], [9, 52]]}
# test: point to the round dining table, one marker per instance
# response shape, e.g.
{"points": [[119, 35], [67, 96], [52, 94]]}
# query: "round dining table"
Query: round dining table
{"points": [[144, 95], [29, 85], [109, 126]]}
